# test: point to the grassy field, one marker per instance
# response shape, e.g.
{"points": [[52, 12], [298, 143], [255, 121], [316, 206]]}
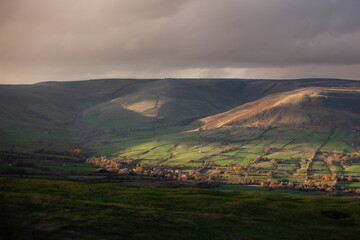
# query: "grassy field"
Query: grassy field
{"points": [[48, 166], [30, 139], [156, 121], [42, 209], [290, 148], [285, 151], [250, 188], [50, 195], [353, 170]]}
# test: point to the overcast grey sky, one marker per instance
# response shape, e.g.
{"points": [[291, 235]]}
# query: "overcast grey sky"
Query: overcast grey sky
{"points": [[46, 40]]}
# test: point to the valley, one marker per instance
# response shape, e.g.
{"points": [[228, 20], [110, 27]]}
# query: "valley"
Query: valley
{"points": [[180, 159], [274, 133], [180, 120]]}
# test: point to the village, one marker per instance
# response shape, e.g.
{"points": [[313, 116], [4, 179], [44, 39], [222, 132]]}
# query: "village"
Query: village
{"points": [[214, 176]]}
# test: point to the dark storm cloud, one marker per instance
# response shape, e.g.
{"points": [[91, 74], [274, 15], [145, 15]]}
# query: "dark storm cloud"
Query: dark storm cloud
{"points": [[63, 40]]}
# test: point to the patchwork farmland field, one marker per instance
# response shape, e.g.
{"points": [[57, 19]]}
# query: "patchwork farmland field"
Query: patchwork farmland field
{"points": [[297, 132], [274, 153]]}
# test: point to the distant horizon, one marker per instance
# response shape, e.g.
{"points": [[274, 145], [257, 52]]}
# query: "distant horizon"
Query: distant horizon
{"points": [[174, 78]]}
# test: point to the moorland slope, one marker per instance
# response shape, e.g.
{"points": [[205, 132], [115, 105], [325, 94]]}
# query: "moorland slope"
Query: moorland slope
{"points": [[312, 106]]}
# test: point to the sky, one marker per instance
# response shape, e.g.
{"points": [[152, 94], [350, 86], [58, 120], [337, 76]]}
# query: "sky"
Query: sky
{"points": [[66, 40]]}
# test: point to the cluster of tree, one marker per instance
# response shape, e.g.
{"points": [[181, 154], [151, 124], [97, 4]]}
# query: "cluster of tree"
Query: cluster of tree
{"points": [[206, 164], [286, 184], [311, 159], [345, 158], [248, 181], [346, 179], [236, 170], [260, 158], [229, 149], [314, 185], [268, 150], [274, 162], [104, 163], [351, 191], [239, 179], [328, 177], [338, 178], [119, 166], [275, 184], [235, 174]]}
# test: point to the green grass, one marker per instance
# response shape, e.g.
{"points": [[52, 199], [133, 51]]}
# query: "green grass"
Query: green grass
{"points": [[250, 188], [319, 168], [289, 165], [245, 155], [280, 155], [241, 188], [40, 209], [225, 162], [174, 146], [353, 170], [349, 185], [265, 165], [51, 166], [109, 117], [31, 138], [342, 141]]}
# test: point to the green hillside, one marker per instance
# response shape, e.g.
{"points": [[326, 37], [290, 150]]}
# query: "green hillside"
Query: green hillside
{"points": [[53, 112], [227, 130]]}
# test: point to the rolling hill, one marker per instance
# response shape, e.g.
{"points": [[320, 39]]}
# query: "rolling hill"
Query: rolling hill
{"points": [[57, 115], [313, 106], [172, 99], [272, 129]]}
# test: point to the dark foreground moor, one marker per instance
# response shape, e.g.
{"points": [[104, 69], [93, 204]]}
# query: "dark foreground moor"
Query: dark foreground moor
{"points": [[47, 209]]}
